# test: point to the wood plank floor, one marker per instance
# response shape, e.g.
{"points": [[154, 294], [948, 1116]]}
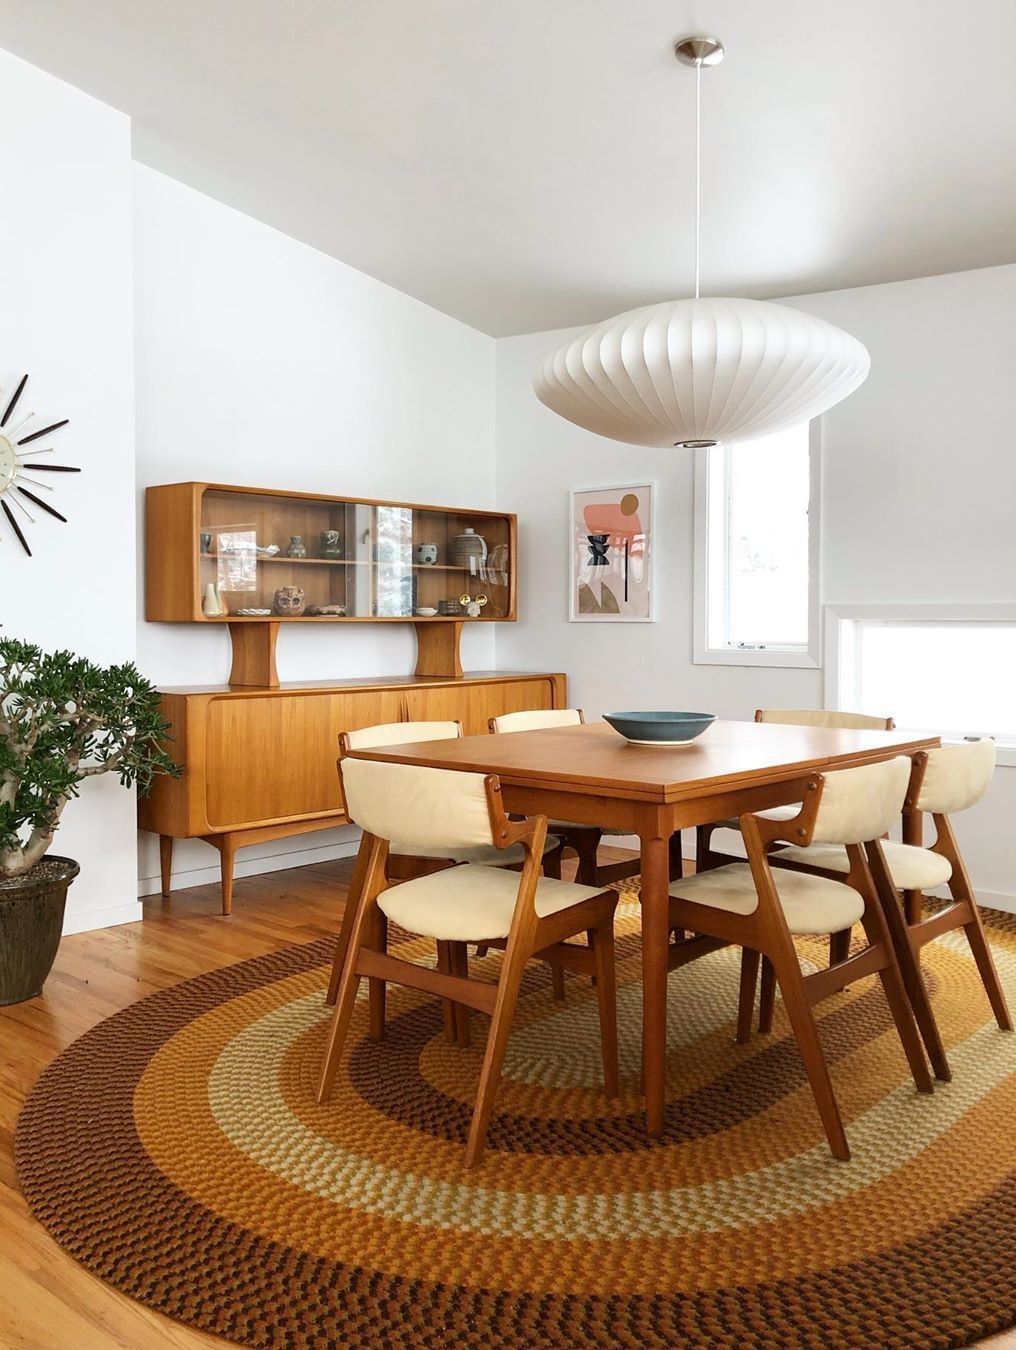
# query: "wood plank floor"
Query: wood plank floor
{"points": [[47, 1302]]}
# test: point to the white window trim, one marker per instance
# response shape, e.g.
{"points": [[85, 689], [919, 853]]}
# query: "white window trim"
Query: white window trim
{"points": [[809, 658], [840, 646]]}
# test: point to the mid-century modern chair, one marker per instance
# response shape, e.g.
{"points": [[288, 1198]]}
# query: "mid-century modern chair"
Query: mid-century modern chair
{"points": [[584, 840], [705, 857], [942, 782], [762, 910], [524, 913], [405, 863]]}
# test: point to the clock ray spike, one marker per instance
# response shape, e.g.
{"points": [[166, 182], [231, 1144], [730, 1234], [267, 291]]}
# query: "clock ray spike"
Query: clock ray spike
{"points": [[17, 427], [15, 527], [21, 507], [20, 478], [23, 454], [54, 468], [44, 505], [54, 426], [13, 401]]}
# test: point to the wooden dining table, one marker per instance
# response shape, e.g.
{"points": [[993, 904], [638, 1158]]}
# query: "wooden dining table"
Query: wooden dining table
{"points": [[590, 775]]}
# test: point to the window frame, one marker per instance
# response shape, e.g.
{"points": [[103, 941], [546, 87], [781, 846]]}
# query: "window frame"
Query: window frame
{"points": [[707, 584], [841, 650]]}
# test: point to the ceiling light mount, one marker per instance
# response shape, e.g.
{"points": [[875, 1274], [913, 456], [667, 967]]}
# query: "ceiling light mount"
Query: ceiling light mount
{"points": [[699, 51]]}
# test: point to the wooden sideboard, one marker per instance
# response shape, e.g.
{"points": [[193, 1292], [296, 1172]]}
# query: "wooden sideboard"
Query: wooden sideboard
{"points": [[259, 763]]}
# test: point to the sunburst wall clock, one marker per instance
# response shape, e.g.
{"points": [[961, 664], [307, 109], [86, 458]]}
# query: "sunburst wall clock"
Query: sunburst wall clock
{"points": [[18, 464]]}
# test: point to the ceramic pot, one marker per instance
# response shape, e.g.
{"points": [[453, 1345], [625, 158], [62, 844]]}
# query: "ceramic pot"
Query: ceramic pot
{"points": [[469, 549], [330, 544], [289, 601], [31, 920], [425, 554], [297, 548]]}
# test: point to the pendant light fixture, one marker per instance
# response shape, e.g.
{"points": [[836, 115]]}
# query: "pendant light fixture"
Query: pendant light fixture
{"points": [[698, 372]]}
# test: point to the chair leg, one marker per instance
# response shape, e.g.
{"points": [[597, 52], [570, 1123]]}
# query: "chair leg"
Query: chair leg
{"points": [[448, 1008], [767, 997], [676, 856], [349, 983], [602, 942], [703, 851], [481, 950], [877, 932], [557, 981], [986, 968], [552, 863], [913, 906], [513, 967], [460, 966], [591, 941], [839, 946], [802, 1020], [746, 995], [586, 844], [909, 961], [377, 989]]}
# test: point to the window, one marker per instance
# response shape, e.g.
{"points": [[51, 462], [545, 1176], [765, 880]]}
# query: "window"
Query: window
{"points": [[756, 561], [941, 669]]}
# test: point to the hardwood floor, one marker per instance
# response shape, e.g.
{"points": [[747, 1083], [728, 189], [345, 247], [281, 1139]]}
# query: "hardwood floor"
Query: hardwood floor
{"points": [[47, 1302]]}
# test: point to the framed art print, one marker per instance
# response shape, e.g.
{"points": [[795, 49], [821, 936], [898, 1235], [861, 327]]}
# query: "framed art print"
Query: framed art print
{"points": [[611, 541]]}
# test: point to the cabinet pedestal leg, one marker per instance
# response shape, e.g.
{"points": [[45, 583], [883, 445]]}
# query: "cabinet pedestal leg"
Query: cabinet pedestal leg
{"points": [[166, 861]]}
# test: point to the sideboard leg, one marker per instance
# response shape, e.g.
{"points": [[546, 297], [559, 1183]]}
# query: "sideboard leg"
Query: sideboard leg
{"points": [[227, 852], [166, 861]]}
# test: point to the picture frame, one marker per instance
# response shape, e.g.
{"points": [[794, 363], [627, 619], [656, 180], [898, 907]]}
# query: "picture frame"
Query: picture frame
{"points": [[611, 540]]}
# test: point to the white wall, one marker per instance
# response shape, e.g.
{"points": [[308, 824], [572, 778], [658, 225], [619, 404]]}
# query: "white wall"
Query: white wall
{"points": [[65, 317], [261, 361], [919, 481]]}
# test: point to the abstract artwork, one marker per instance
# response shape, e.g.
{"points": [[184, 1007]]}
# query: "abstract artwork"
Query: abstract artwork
{"points": [[611, 554]]}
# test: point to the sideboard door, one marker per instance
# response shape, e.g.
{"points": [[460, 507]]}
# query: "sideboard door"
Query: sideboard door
{"points": [[474, 704]]}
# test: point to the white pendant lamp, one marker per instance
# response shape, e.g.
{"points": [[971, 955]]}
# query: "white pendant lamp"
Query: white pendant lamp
{"points": [[697, 372]]}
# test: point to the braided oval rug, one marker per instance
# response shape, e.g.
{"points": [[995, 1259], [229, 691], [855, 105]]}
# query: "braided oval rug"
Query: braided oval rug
{"points": [[177, 1152]]}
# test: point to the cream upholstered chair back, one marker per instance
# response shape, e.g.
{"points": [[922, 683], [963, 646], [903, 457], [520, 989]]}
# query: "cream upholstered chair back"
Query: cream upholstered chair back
{"points": [[956, 777], [539, 719], [858, 805], [418, 806], [401, 733], [818, 717]]}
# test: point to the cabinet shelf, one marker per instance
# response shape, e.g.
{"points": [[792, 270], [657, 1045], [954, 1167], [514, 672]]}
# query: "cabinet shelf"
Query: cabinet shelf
{"points": [[342, 562]]}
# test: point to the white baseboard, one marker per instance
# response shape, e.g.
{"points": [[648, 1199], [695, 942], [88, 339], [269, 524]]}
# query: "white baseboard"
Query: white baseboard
{"points": [[131, 912], [250, 867]]}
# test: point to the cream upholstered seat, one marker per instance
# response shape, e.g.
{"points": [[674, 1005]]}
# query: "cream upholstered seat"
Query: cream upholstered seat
{"points": [[584, 839], [811, 904], [404, 733], [761, 910], [911, 868], [526, 914], [473, 903]]}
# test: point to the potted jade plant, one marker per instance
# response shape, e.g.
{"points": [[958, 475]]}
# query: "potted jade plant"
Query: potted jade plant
{"points": [[62, 720]]}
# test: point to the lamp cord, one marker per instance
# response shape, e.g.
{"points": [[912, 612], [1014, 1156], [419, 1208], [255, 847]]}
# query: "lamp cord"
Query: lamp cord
{"points": [[698, 170]]}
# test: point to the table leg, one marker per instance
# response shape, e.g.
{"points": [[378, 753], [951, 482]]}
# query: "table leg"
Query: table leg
{"points": [[655, 904]]}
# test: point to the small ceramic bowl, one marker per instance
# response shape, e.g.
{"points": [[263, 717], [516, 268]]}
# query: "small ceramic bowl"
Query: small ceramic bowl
{"points": [[426, 612], [659, 728]]}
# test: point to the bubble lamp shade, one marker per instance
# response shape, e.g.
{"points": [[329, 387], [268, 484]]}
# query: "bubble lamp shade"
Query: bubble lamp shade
{"points": [[698, 372]]}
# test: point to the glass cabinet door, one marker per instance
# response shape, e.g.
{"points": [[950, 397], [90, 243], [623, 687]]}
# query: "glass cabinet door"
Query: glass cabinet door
{"points": [[262, 556]]}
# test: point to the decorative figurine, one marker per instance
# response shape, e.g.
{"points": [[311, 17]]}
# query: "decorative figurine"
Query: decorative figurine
{"points": [[297, 548], [289, 601], [330, 544]]}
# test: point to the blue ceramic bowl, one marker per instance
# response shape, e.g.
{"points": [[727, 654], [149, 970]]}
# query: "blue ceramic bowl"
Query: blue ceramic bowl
{"points": [[659, 728]]}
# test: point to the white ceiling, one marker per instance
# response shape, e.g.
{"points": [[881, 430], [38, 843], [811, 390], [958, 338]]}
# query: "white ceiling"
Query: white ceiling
{"points": [[527, 164]]}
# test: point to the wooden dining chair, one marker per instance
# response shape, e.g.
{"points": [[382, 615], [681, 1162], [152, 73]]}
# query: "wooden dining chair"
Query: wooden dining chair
{"points": [[705, 856], [943, 782], [583, 840], [762, 910], [405, 863], [525, 913]]}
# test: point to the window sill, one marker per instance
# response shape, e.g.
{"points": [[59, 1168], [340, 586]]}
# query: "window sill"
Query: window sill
{"points": [[752, 656]]}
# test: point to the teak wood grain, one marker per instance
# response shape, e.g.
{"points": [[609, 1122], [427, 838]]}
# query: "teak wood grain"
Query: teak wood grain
{"points": [[591, 775]]}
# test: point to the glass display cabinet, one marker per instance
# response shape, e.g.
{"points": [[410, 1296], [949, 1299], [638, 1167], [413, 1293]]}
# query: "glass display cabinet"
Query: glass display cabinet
{"points": [[255, 559]]}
